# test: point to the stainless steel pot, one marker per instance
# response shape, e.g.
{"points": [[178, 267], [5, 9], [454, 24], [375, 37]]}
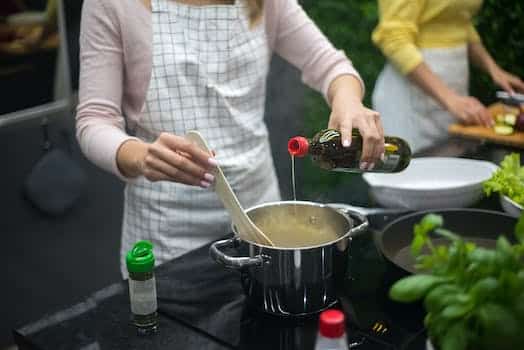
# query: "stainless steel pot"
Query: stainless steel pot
{"points": [[293, 281]]}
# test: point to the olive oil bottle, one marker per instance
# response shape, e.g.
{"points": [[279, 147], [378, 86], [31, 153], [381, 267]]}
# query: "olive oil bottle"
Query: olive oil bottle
{"points": [[326, 150]]}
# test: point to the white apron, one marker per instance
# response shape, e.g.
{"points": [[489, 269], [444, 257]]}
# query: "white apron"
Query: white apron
{"points": [[209, 74], [407, 111]]}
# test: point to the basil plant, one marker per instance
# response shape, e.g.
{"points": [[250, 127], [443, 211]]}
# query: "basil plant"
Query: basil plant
{"points": [[473, 296]]}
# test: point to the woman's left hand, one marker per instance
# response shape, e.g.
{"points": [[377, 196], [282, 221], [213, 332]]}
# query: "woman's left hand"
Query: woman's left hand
{"points": [[348, 112], [509, 82]]}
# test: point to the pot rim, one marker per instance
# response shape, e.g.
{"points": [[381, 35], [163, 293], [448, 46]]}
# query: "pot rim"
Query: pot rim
{"points": [[313, 204]]}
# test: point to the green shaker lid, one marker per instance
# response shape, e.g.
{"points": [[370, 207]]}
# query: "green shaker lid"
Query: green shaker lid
{"points": [[141, 258]]}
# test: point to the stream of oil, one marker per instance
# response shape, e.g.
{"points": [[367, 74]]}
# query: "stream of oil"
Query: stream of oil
{"points": [[298, 226], [293, 182]]}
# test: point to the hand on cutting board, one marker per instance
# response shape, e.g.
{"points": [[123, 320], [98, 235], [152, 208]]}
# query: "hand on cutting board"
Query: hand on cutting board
{"points": [[168, 158], [469, 110]]}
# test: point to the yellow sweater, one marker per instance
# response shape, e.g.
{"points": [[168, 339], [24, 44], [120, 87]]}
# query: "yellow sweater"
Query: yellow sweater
{"points": [[407, 25]]}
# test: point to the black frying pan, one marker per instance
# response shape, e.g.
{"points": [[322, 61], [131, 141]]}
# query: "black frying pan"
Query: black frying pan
{"points": [[480, 226]]}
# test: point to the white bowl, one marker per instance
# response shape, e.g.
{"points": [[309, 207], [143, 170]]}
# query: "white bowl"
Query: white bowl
{"points": [[432, 183], [510, 206]]}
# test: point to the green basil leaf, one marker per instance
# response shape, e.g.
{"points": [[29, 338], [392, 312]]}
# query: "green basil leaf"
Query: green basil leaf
{"points": [[498, 322], [520, 275], [425, 263], [413, 288], [442, 251], [438, 328], [484, 288], [519, 307], [417, 244], [431, 221], [503, 245], [457, 310], [482, 256], [504, 252], [440, 296], [511, 284], [456, 337], [457, 251], [428, 319], [421, 231], [473, 269], [447, 234], [470, 246]]}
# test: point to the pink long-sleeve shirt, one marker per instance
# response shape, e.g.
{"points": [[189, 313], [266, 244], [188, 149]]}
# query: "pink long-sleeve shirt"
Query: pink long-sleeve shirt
{"points": [[116, 63]]}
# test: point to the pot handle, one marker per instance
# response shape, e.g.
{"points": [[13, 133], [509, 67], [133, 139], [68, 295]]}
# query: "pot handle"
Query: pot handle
{"points": [[369, 211], [364, 223], [349, 211], [230, 261]]}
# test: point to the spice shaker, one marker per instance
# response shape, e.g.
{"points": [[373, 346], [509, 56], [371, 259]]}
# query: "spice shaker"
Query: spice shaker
{"points": [[140, 262]]}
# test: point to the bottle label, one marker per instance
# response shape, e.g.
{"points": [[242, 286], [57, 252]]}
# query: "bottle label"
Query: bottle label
{"points": [[390, 162], [328, 135], [143, 296]]}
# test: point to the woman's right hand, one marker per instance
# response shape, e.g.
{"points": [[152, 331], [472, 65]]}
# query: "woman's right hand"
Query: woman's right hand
{"points": [[468, 110], [168, 158]]}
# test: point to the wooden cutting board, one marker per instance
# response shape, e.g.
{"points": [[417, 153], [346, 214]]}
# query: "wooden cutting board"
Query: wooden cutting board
{"points": [[487, 134]]}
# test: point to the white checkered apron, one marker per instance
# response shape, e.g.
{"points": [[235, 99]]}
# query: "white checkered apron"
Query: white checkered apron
{"points": [[209, 74], [407, 111]]}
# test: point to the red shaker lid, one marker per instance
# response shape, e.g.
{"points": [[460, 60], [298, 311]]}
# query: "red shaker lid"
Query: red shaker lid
{"points": [[332, 324], [298, 146]]}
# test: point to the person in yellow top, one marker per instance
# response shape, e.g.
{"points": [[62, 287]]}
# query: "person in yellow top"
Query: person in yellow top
{"points": [[424, 86]]}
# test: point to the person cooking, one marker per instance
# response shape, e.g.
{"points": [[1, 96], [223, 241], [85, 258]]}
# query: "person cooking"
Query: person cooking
{"points": [[153, 70], [424, 86]]}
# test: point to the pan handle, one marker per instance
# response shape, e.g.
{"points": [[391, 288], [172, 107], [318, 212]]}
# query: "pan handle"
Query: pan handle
{"points": [[230, 261]]}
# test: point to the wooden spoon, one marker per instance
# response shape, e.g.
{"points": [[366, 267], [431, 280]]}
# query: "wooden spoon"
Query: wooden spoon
{"points": [[247, 230]]}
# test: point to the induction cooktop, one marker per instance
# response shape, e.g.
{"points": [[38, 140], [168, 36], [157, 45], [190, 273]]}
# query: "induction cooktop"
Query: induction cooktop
{"points": [[209, 298]]}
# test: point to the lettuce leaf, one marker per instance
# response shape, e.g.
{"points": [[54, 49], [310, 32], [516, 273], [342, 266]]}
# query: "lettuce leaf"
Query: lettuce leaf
{"points": [[508, 180]]}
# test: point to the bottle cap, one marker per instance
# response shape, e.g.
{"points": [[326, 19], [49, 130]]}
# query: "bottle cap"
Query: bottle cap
{"points": [[298, 146], [332, 324], [140, 258]]}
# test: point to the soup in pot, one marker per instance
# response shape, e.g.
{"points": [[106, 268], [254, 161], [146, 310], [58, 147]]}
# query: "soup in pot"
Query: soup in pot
{"points": [[298, 226]]}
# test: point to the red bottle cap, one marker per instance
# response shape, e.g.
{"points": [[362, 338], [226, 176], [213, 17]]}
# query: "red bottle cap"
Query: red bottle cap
{"points": [[298, 146], [332, 324]]}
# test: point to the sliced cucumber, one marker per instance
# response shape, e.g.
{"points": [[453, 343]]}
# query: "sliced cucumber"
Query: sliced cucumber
{"points": [[510, 119], [499, 118], [503, 129]]}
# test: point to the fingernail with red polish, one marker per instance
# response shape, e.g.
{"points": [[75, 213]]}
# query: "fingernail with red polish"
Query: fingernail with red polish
{"points": [[204, 184]]}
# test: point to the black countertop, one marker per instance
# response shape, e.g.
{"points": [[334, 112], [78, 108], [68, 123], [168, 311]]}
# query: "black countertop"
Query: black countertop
{"points": [[202, 305]]}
